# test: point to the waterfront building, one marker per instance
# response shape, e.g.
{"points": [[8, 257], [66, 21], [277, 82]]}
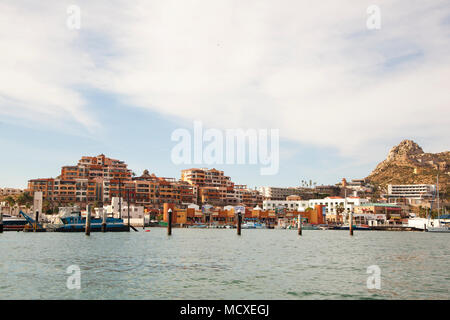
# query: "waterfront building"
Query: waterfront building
{"points": [[293, 205], [334, 203], [88, 181], [213, 187], [410, 193], [388, 209], [331, 204], [99, 179], [116, 209], [5, 192], [411, 190], [277, 193]]}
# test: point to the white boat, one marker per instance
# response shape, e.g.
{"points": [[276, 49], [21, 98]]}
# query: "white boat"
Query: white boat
{"points": [[253, 225], [439, 229], [441, 226]]}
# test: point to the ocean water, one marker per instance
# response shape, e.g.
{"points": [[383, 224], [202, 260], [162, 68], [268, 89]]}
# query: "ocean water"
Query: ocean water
{"points": [[218, 264]]}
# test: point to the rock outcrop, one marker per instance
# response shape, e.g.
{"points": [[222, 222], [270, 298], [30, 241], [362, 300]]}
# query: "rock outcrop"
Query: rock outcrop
{"points": [[407, 163]]}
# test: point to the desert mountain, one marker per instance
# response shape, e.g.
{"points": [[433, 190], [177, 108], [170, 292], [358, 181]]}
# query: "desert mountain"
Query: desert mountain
{"points": [[407, 163]]}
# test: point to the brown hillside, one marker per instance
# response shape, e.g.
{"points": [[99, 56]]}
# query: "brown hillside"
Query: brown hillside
{"points": [[407, 163]]}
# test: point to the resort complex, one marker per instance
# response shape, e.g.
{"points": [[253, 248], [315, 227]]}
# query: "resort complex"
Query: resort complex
{"points": [[208, 198]]}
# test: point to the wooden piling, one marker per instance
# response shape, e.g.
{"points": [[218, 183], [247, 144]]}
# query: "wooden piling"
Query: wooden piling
{"points": [[351, 224], [1, 222], [104, 221], [239, 221], [36, 221], [169, 222], [299, 225], [128, 208], [88, 220]]}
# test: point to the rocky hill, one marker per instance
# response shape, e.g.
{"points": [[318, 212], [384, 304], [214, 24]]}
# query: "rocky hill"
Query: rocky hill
{"points": [[407, 163]]}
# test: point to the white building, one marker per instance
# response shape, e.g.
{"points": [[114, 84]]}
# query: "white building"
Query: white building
{"points": [[297, 205], [275, 193], [410, 192], [136, 212], [10, 191], [331, 203]]}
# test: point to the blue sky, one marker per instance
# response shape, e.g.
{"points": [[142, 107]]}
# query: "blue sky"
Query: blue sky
{"points": [[142, 139], [340, 95]]}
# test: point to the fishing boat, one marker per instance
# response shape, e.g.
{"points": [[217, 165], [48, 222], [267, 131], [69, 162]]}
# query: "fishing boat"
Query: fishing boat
{"points": [[13, 223]]}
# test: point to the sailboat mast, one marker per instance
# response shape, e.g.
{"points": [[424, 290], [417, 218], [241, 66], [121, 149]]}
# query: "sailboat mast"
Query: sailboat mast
{"points": [[438, 209]]}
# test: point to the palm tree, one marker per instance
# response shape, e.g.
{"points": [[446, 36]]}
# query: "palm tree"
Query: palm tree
{"points": [[11, 202], [339, 209], [25, 199]]}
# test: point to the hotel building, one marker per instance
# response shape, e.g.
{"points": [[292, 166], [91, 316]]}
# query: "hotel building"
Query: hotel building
{"points": [[410, 192], [211, 186], [331, 204], [275, 193], [99, 179]]}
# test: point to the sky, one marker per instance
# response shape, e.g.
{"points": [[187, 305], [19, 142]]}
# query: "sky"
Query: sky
{"points": [[340, 94]]}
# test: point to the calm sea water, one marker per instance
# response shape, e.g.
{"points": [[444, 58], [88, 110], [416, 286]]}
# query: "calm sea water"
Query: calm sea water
{"points": [[217, 264]]}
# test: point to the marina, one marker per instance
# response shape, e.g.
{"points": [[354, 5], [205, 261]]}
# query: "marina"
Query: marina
{"points": [[217, 264]]}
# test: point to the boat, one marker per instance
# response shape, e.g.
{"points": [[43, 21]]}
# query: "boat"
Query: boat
{"points": [[309, 227], [198, 226], [304, 227], [441, 226], [70, 220], [253, 225], [355, 227], [13, 223], [78, 224], [443, 229]]}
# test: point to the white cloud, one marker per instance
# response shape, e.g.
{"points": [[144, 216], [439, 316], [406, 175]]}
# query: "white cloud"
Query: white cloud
{"points": [[312, 70], [41, 67]]}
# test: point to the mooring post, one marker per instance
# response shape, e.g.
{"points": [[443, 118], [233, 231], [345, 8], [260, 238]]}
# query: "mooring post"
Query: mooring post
{"points": [[351, 223], [1, 221], [104, 221], [128, 208], [239, 223], [88, 220], [299, 225], [36, 220], [169, 222]]}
